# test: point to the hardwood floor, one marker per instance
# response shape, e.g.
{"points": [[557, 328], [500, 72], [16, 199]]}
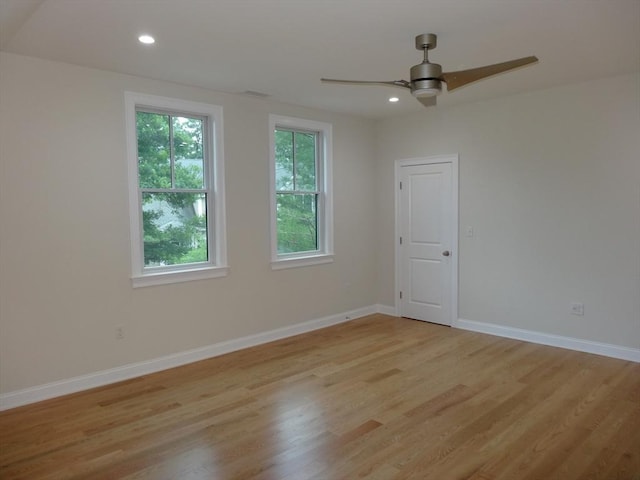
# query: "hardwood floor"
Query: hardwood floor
{"points": [[376, 398]]}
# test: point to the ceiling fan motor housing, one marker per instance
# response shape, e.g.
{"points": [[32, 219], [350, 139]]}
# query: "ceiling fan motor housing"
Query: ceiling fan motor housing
{"points": [[425, 79]]}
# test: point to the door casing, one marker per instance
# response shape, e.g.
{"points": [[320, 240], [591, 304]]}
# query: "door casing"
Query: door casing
{"points": [[453, 159]]}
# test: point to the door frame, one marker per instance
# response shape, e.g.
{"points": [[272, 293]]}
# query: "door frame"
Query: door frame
{"points": [[453, 159]]}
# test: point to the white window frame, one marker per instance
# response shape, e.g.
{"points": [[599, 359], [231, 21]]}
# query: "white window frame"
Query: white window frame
{"points": [[216, 266], [324, 160]]}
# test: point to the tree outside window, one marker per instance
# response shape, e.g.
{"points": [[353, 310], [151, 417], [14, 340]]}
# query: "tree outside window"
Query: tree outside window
{"points": [[297, 191], [171, 176], [301, 192]]}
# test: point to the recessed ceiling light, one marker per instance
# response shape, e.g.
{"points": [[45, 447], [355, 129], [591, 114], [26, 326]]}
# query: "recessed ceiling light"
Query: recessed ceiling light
{"points": [[146, 39], [394, 99]]}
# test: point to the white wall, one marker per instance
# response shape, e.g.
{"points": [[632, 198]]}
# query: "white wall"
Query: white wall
{"points": [[550, 182], [64, 246]]}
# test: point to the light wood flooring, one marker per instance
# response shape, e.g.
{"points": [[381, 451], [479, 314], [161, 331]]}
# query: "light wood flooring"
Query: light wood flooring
{"points": [[376, 398]]}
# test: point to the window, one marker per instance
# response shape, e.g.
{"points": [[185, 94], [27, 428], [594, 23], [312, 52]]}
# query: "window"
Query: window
{"points": [[301, 203], [176, 190]]}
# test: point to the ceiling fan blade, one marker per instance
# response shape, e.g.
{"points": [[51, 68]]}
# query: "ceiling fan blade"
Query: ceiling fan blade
{"points": [[393, 83], [427, 101], [463, 77]]}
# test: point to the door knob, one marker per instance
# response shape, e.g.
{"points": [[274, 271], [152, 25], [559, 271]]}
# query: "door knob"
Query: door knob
{"points": [[446, 253]]}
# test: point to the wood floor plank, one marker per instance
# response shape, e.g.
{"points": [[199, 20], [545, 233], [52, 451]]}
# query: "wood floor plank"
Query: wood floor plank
{"points": [[375, 398]]}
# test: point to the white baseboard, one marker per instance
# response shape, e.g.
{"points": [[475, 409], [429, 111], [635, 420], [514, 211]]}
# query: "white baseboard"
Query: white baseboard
{"points": [[84, 382], [105, 377], [387, 309], [606, 349]]}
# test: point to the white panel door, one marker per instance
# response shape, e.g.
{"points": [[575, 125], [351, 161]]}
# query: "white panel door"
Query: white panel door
{"points": [[425, 209]]}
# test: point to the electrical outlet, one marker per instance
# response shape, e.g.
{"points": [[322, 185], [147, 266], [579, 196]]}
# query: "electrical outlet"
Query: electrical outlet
{"points": [[577, 308], [120, 332]]}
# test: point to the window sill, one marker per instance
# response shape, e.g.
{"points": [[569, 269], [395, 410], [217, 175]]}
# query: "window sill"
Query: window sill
{"points": [[282, 263], [167, 277]]}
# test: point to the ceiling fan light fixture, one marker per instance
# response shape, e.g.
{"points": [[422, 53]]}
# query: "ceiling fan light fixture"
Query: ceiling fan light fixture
{"points": [[426, 88], [426, 92]]}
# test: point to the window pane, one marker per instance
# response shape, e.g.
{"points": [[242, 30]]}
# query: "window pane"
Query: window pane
{"points": [[174, 228], [297, 222], [188, 151], [284, 160], [305, 161], [154, 162]]}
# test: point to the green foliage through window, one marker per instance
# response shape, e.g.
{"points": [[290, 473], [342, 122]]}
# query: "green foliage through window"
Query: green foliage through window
{"points": [[296, 190], [171, 176]]}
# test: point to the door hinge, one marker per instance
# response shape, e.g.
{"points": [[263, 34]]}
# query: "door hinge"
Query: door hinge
{"points": [[400, 240], [400, 295], [400, 185]]}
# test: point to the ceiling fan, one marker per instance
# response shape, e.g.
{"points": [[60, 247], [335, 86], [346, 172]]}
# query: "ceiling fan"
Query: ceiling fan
{"points": [[426, 77]]}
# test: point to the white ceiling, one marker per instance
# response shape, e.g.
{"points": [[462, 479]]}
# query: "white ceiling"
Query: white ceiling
{"points": [[283, 47]]}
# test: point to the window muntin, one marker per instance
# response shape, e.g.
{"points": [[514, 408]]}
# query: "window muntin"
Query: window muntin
{"points": [[176, 182], [301, 213]]}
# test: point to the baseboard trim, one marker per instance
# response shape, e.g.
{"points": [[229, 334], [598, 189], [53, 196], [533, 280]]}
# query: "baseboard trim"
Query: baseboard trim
{"points": [[105, 377], [126, 372], [387, 309], [598, 348]]}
